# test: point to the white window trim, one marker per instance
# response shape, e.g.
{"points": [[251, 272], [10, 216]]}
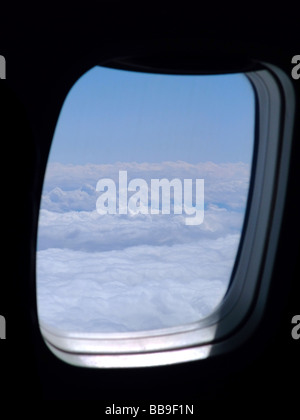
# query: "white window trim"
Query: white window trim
{"points": [[240, 311]]}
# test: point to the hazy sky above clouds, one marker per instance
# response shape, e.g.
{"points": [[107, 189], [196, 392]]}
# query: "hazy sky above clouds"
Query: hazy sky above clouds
{"points": [[113, 115]]}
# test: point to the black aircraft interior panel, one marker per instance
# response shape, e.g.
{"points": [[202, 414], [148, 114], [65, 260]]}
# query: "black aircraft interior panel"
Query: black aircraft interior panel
{"points": [[42, 54]]}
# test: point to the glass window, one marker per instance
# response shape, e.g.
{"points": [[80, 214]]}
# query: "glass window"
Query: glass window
{"points": [[143, 200]]}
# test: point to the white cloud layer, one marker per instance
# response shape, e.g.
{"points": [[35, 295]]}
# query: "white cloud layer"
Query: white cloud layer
{"points": [[73, 187], [115, 273], [139, 288]]}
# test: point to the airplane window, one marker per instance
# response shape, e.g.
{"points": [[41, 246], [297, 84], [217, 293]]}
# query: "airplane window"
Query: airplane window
{"points": [[144, 200]]}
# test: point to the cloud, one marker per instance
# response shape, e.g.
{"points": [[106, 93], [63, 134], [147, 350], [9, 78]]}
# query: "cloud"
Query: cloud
{"points": [[139, 288], [89, 231], [114, 273], [73, 187]]}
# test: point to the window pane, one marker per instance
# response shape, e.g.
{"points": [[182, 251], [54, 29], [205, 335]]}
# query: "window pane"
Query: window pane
{"points": [[143, 200]]}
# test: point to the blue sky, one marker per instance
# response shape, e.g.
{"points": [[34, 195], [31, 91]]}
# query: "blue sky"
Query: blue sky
{"points": [[119, 116]]}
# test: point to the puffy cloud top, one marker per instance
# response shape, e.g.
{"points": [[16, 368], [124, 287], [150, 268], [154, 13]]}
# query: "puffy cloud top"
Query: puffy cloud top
{"points": [[114, 273]]}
